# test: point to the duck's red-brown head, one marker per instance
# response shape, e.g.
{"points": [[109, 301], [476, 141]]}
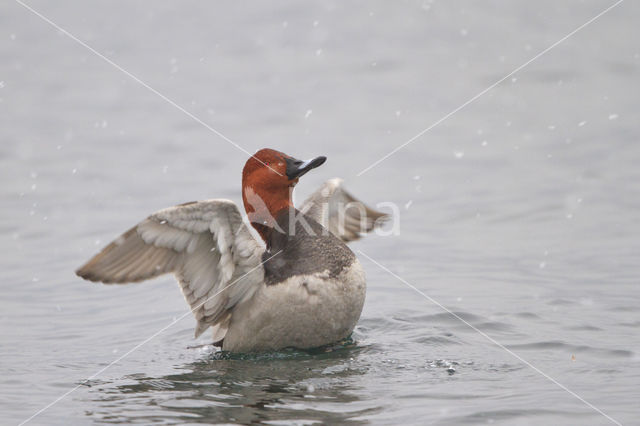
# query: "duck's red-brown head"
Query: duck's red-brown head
{"points": [[268, 179]]}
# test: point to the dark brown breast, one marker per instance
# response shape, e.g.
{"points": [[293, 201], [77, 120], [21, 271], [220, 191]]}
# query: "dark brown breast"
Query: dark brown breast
{"points": [[301, 246]]}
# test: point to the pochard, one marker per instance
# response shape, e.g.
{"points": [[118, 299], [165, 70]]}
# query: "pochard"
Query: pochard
{"points": [[297, 285]]}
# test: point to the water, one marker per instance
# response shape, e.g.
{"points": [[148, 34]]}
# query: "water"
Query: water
{"points": [[519, 213]]}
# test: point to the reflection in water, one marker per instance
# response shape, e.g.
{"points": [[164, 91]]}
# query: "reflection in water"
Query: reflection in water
{"points": [[284, 386]]}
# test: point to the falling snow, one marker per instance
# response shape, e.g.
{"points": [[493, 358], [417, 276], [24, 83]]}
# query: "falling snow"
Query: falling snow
{"points": [[599, 166]]}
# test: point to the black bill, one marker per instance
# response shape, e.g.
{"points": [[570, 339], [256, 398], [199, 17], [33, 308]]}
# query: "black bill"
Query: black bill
{"points": [[296, 168]]}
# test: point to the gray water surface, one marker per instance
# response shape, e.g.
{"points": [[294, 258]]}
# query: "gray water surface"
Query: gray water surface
{"points": [[519, 213]]}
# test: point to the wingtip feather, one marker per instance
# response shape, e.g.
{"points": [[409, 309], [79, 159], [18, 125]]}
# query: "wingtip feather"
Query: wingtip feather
{"points": [[201, 328]]}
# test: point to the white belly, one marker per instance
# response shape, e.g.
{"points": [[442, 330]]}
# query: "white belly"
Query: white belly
{"points": [[305, 311]]}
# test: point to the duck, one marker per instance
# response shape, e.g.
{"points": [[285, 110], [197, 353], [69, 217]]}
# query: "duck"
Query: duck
{"points": [[287, 279]]}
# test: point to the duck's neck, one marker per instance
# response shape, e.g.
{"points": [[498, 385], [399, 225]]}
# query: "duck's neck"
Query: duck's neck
{"points": [[264, 205]]}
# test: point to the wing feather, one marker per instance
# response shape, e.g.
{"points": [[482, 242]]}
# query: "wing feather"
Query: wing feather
{"points": [[205, 244], [340, 212]]}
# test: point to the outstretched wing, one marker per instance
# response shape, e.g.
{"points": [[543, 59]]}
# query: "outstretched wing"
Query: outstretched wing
{"points": [[205, 244], [340, 212]]}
